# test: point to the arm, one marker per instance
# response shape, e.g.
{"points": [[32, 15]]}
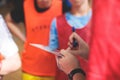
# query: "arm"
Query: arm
{"points": [[69, 63], [14, 28], [82, 49], [78, 76], [53, 39]]}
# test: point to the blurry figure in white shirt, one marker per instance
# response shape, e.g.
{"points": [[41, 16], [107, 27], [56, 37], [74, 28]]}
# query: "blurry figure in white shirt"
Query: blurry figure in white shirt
{"points": [[9, 57]]}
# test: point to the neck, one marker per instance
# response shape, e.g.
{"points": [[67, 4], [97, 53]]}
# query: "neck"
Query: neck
{"points": [[42, 6], [80, 10]]}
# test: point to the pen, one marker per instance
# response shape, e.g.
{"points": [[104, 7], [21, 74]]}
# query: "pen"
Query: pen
{"points": [[75, 43]]}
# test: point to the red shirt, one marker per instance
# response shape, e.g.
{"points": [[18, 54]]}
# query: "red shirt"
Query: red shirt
{"points": [[104, 60], [64, 31]]}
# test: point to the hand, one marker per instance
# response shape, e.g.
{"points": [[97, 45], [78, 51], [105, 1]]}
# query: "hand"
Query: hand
{"points": [[82, 49], [67, 62]]}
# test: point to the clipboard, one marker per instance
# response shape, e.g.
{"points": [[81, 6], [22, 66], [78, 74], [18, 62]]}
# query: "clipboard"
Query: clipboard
{"points": [[45, 48]]}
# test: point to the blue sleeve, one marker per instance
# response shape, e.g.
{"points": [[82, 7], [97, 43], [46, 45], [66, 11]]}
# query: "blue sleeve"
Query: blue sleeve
{"points": [[53, 40]]}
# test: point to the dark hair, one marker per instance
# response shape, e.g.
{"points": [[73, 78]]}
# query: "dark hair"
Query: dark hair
{"points": [[66, 7]]}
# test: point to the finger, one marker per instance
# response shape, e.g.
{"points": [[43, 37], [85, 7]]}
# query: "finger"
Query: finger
{"points": [[70, 45], [68, 48], [71, 37], [58, 63], [62, 51], [60, 56]]}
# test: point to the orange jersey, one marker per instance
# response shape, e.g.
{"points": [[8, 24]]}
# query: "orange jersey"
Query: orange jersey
{"points": [[36, 61]]}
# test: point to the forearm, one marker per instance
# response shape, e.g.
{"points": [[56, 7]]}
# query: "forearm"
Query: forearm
{"points": [[84, 50], [84, 53], [14, 28], [78, 76]]}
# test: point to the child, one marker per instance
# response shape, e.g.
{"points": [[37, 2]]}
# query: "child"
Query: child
{"points": [[78, 17], [9, 57]]}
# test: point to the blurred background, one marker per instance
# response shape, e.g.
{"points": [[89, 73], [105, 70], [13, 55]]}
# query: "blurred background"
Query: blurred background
{"points": [[5, 7]]}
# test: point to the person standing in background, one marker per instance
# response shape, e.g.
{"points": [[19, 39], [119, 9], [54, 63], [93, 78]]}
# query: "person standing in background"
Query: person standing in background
{"points": [[104, 45], [104, 49], [61, 27], [37, 64], [9, 57]]}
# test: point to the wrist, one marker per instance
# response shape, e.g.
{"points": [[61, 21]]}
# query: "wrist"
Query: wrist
{"points": [[78, 76], [74, 73]]}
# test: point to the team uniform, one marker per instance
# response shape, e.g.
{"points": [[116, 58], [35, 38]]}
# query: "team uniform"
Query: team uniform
{"points": [[105, 44], [61, 28], [34, 60], [37, 64]]}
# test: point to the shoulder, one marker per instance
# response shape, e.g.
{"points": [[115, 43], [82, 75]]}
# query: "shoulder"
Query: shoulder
{"points": [[60, 16]]}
